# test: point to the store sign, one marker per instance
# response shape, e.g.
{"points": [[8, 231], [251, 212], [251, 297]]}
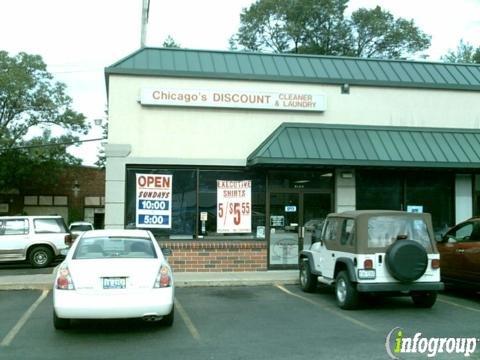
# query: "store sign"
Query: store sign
{"points": [[234, 206], [154, 201], [234, 98]]}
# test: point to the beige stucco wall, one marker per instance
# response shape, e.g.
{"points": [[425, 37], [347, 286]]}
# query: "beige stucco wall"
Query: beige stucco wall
{"points": [[206, 133]]}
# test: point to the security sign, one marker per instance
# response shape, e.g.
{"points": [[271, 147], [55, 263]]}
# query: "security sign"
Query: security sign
{"points": [[234, 206], [154, 201]]}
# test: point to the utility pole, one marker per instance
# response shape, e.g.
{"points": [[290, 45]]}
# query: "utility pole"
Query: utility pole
{"points": [[145, 10]]}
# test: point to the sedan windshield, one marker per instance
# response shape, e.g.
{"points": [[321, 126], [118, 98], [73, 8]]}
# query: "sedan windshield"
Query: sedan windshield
{"points": [[384, 230], [114, 247]]}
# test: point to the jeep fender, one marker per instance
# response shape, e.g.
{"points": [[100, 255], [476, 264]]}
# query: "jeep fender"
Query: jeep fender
{"points": [[347, 264], [308, 255]]}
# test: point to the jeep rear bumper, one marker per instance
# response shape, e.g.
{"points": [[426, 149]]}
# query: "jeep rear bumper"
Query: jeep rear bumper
{"points": [[394, 287]]}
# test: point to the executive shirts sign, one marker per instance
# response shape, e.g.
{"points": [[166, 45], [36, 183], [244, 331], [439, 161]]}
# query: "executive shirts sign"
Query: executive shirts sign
{"points": [[290, 101], [153, 203], [234, 206]]}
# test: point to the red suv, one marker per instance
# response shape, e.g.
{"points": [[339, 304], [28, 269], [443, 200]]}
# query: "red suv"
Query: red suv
{"points": [[460, 254]]}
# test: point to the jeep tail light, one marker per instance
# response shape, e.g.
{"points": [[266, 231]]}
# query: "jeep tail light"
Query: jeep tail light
{"points": [[164, 277], [435, 263], [368, 264], [64, 279]]}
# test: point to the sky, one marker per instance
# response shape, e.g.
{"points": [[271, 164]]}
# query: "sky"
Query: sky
{"points": [[79, 38]]}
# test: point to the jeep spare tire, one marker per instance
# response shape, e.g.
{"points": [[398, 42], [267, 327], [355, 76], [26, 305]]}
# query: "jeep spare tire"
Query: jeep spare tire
{"points": [[406, 260]]}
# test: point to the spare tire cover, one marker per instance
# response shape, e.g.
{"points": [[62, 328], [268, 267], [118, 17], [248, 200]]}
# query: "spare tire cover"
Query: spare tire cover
{"points": [[406, 260]]}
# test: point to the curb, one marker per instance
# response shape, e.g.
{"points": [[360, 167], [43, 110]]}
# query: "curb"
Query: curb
{"points": [[212, 279], [216, 283], [178, 284]]}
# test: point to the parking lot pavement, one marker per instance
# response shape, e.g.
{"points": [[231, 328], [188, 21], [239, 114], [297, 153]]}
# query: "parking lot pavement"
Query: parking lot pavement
{"points": [[258, 322]]}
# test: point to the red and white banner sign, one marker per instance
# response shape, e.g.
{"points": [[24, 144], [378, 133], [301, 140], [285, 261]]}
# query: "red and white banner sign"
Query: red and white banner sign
{"points": [[234, 206], [234, 98]]}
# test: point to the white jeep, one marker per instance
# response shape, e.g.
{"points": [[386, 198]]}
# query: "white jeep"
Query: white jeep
{"points": [[374, 251]]}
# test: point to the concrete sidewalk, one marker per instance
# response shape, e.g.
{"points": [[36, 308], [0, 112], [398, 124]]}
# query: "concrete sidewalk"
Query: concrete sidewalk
{"points": [[185, 279]]}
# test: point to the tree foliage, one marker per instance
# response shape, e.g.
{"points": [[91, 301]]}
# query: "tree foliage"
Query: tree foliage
{"points": [[376, 33], [32, 103], [321, 27], [101, 157], [465, 53], [170, 42]]}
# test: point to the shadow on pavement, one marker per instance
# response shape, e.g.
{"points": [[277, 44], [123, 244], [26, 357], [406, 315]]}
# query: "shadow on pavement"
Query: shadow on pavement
{"points": [[24, 268]]}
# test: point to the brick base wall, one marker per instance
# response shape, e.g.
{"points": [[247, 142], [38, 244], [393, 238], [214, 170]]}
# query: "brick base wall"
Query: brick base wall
{"points": [[210, 256]]}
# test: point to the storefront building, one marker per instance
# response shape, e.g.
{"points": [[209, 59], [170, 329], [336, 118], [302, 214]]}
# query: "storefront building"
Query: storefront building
{"points": [[233, 159]]}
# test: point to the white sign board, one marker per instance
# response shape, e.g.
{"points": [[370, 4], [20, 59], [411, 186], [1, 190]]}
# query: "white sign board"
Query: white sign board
{"points": [[234, 98], [415, 208], [234, 206], [154, 201]]}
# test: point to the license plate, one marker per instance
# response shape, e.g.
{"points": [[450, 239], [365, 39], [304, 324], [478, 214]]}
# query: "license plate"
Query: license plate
{"points": [[114, 282]]}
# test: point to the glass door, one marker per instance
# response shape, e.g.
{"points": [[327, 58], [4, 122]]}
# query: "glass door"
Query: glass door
{"points": [[284, 224], [294, 218]]}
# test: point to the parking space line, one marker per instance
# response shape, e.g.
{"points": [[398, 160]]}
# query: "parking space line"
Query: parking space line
{"points": [[18, 326], [188, 322], [457, 305], [333, 311]]}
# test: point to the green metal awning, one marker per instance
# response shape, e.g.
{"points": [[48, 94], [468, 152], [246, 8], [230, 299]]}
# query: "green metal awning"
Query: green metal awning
{"points": [[357, 145]]}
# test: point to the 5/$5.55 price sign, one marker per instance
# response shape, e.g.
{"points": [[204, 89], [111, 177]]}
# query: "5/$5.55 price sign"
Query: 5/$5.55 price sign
{"points": [[153, 201], [234, 204]]}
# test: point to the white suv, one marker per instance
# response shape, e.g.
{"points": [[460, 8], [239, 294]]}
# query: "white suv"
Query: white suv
{"points": [[374, 251], [38, 239]]}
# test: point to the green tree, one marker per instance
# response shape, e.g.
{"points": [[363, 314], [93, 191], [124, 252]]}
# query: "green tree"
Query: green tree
{"points": [[31, 103], [376, 33], [101, 157], [465, 53], [293, 26], [169, 42], [320, 27]]}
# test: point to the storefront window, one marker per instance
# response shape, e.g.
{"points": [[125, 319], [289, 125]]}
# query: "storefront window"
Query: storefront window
{"points": [[181, 208], [241, 212], [237, 196], [379, 190], [433, 193], [430, 192]]}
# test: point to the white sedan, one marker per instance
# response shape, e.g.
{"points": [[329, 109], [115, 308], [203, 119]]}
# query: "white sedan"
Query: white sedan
{"points": [[111, 274]]}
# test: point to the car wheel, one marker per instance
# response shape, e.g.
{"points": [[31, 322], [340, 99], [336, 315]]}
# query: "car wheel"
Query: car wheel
{"points": [[167, 320], [40, 256], [345, 291], [406, 260], [424, 299], [308, 281], [60, 323]]}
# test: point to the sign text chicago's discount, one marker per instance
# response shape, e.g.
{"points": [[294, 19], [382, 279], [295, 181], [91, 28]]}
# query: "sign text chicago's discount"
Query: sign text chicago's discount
{"points": [[234, 206], [153, 201]]}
